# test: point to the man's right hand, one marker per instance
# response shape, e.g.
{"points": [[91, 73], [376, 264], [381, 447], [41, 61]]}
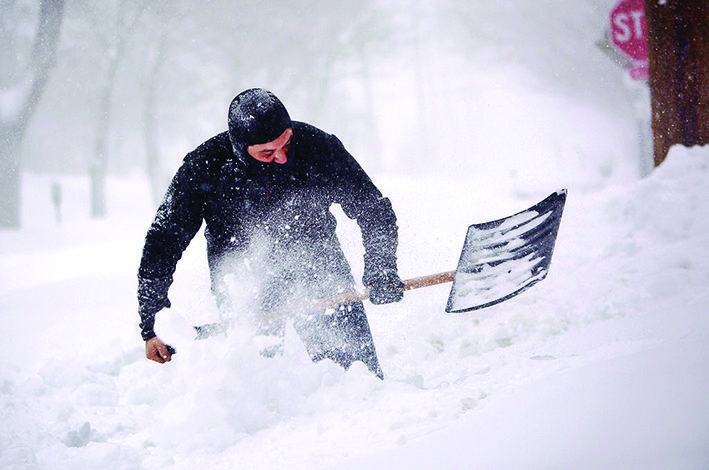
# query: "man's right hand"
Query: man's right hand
{"points": [[157, 351], [386, 289]]}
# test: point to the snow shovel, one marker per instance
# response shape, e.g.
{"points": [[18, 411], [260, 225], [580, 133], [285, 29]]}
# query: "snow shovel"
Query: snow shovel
{"points": [[499, 260]]}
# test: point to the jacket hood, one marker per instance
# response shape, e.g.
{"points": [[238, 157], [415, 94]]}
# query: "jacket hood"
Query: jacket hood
{"points": [[256, 116]]}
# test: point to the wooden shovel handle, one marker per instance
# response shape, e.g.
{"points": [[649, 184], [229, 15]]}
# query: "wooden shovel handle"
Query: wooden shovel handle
{"points": [[347, 298], [430, 280], [409, 284]]}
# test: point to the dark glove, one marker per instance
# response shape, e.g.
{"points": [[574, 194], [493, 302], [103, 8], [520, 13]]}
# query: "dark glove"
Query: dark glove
{"points": [[386, 289]]}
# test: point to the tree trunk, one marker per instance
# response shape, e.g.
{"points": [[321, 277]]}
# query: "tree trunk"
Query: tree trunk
{"points": [[152, 147], [27, 92], [370, 115], [98, 165], [10, 181], [678, 41]]}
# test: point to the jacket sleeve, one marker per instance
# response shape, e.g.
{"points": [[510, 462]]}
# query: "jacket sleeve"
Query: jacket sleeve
{"points": [[361, 200], [176, 222]]}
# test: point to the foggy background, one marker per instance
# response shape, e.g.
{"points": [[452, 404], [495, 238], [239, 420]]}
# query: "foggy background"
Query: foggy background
{"points": [[517, 92]]}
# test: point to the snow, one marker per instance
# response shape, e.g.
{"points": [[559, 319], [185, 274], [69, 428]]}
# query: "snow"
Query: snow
{"points": [[602, 365], [491, 268]]}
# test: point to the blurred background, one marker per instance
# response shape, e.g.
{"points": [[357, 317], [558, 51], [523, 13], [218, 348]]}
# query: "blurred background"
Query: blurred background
{"points": [[509, 93]]}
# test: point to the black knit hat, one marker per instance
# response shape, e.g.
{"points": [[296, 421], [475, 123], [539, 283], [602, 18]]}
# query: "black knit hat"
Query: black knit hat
{"points": [[256, 116]]}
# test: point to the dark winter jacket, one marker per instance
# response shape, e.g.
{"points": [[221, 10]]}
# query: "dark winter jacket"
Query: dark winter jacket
{"points": [[225, 189]]}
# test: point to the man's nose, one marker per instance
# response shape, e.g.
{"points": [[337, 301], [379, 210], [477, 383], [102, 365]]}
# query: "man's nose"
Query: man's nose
{"points": [[280, 156]]}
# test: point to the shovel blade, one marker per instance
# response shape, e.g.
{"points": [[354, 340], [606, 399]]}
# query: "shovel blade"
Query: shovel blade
{"points": [[503, 258]]}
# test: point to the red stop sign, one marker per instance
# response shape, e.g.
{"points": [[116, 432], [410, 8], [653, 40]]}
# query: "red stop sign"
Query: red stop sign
{"points": [[628, 30]]}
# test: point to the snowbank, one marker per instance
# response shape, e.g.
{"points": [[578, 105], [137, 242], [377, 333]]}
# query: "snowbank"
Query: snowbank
{"points": [[603, 365]]}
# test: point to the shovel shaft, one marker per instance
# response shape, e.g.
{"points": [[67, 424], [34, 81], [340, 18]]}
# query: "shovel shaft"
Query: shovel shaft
{"points": [[211, 329], [409, 284], [430, 280]]}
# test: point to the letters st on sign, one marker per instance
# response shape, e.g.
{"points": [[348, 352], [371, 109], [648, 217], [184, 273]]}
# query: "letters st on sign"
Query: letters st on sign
{"points": [[629, 34]]}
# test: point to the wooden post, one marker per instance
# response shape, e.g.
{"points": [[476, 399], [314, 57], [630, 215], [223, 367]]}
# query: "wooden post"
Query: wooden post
{"points": [[678, 41]]}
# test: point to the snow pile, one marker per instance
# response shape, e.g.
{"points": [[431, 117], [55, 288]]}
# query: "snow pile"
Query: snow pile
{"points": [[603, 365]]}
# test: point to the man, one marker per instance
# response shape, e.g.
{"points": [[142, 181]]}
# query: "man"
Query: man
{"points": [[264, 189]]}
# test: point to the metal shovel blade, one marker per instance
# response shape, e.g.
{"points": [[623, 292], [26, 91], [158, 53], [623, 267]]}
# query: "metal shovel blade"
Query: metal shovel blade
{"points": [[503, 258]]}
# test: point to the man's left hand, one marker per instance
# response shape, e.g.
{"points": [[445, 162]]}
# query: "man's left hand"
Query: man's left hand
{"points": [[157, 351]]}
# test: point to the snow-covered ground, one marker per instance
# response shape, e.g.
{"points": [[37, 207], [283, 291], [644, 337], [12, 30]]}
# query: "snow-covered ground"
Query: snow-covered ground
{"points": [[605, 364]]}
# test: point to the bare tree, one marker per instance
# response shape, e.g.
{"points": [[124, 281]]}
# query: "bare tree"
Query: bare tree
{"points": [[229, 47], [150, 116], [115, 44], [20, 92]]}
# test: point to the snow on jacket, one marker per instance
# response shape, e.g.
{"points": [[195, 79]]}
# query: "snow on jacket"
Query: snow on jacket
{"points": [[224, 189]]}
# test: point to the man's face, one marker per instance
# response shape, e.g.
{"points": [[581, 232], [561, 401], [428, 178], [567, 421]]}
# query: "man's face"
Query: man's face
{"points": [[274, 151]]}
